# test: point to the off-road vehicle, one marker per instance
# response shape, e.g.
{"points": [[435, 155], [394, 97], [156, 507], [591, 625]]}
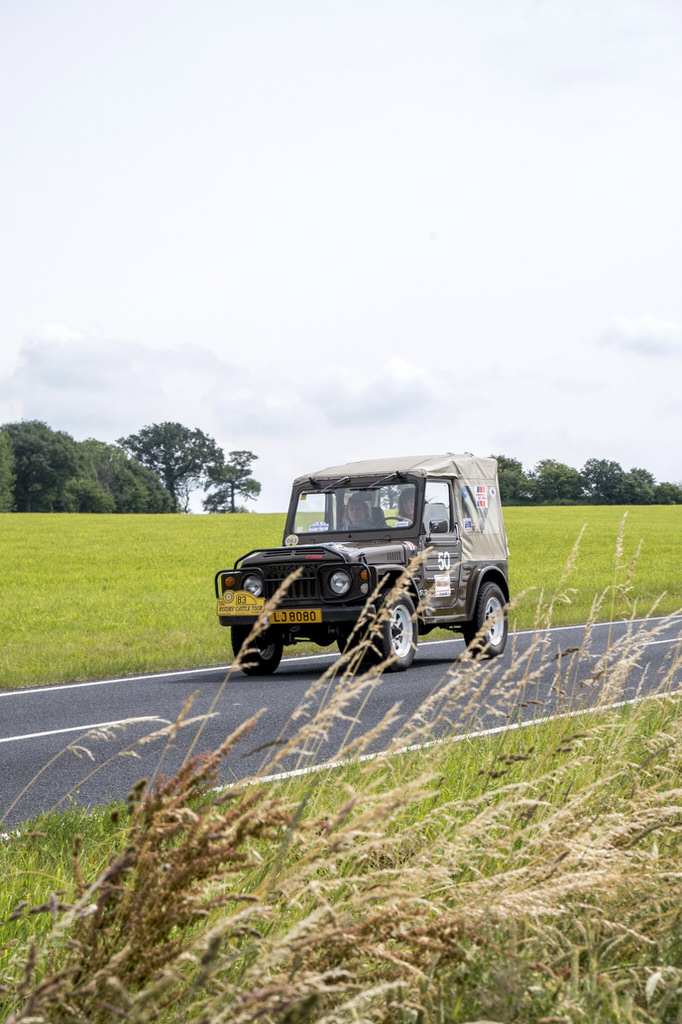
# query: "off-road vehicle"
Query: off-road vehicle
{"points": [[351, 531]]}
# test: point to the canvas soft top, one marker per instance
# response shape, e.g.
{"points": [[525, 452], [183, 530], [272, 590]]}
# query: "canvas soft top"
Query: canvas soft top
{"points": [[466, 467], [477, 498]]}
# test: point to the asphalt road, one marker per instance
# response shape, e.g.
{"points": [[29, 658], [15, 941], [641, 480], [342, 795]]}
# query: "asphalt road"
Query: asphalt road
{"points": [[81, 742]]}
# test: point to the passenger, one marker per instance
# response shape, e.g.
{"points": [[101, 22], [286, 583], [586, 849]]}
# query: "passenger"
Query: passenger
{"points": [[357, 513], [406, 507]]}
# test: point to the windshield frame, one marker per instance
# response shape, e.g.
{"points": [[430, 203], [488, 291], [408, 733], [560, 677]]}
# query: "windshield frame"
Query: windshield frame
{"points": [[336, 495]]}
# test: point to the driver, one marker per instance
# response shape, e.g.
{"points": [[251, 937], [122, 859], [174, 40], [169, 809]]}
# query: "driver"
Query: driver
{"points": [[357, 513]]}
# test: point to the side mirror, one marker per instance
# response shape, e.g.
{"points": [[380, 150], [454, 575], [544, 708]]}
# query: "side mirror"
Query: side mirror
{"points": [[438, 526]]}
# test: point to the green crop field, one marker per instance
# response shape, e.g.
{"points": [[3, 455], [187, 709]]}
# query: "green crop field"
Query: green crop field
{"points": [[648, 568], [89, 596]]}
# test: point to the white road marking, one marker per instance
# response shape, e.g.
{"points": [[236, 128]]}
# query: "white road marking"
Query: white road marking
{"points": [[296, 658], [116, 679], [480, 734], [156, 718], [81, 728]]}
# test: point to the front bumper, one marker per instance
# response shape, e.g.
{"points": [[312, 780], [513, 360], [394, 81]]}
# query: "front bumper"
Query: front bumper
{"points": [[333, 616]]}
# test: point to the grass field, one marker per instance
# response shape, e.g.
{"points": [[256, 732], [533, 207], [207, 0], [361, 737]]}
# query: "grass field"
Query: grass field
{"points": [[89, 596]]}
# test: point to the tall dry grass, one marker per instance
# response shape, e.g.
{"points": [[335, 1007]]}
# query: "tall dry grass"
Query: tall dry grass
{"points": [[531, 873]]}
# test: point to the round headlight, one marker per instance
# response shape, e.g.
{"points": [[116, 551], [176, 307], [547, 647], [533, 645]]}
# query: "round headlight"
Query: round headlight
{"points": [[254, 585], [339, 583]]}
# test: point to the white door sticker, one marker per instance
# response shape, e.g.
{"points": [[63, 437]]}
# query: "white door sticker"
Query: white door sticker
{"points": [[442, 586]]}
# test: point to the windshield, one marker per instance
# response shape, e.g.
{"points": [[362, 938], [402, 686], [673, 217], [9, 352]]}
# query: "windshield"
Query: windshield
{"points": [[354, 509]]}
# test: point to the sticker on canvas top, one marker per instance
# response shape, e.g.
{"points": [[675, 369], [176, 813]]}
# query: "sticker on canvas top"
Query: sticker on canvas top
{"points": [[468, 526], [465, 492], [291, 541], [493, 492]]}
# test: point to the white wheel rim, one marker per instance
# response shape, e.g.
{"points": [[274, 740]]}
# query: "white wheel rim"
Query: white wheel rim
{"points": [[494, 616], [401, 631]]}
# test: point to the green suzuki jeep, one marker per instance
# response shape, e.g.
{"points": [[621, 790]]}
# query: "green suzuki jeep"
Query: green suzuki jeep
{"points": [[351, 531]]}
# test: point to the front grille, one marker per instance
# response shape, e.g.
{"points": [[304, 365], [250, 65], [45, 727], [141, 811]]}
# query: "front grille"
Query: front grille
{"points": [[305, 588]]}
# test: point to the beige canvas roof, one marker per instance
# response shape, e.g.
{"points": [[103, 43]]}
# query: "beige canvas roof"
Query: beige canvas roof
{"points": [[483, 538], [465, 466]]}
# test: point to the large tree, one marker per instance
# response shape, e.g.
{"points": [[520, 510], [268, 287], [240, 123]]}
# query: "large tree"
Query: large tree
{"points": [[557, 483], [44, 462], [129, 485], [179, 456], [668, 494], [516, 488], [6, 472], [231, 478], [639, 487], [603, 481]]}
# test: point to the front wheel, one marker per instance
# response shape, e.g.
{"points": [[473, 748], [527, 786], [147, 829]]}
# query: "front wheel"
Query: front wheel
{"points": [[486, 634], [395, 639], [264, 652]]}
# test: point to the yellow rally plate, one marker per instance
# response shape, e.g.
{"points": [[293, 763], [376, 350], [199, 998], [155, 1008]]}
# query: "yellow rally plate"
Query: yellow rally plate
{"points": [[296, 616], [240, 602]]}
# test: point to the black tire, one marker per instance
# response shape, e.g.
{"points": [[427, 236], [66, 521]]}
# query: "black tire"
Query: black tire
{"points": [[490, 607], [395, 639], [263, 655]]}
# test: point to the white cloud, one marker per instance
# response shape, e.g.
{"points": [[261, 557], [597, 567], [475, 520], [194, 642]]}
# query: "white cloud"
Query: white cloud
{"points": [[643, 336], [298, 418], [92, 385], [372, 395]]}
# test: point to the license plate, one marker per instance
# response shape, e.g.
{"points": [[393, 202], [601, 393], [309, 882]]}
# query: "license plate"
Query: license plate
{"points": [[295, 616], [240, 602]]}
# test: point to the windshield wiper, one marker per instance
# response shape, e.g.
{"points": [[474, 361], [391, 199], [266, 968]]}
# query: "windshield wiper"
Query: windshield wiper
{"points": [[337, 483], [398, 475], [330, 487]]}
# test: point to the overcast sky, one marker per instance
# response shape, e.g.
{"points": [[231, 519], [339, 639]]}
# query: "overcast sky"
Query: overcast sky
{"points": [[328, 230]]}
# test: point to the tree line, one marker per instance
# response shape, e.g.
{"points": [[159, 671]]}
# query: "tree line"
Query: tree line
{"points": [[599, 482], [152, 471], [156, 470]]}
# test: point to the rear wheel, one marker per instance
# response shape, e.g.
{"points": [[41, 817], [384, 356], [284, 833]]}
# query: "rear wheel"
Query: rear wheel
{"points": [[263, 655], [395, 640], [487, 632]]}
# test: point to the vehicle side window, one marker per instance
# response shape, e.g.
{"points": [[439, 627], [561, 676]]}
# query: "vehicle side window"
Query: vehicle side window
{"points": [[482, 508], [437, 504]]}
